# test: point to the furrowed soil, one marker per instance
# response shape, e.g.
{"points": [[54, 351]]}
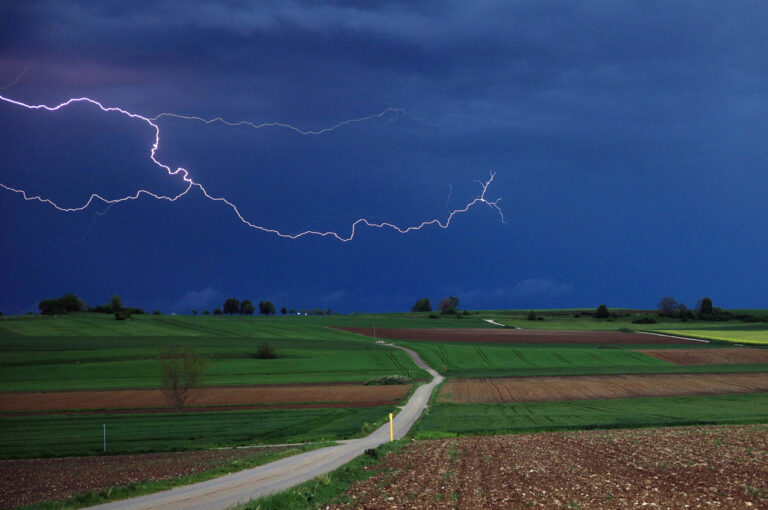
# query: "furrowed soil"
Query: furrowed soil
{"points": [[710, 356], [328, 395], [541, 389], [522, 336], [24, 482], [691, 467]]}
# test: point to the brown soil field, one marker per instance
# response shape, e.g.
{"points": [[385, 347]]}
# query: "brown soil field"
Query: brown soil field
{"points": [[710, 356], [521, 336], [692, 467], [28, 481], [329, 395], [587, 387]]}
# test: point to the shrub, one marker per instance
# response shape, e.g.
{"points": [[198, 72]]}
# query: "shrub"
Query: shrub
{"points": [[532, 316], [386, 380], [602, 312], [266, 351], [644, 320], [122, 315], [433, 316]]}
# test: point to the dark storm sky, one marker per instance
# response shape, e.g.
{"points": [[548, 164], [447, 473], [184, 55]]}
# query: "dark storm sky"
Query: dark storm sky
{"points": [[628, 141]]}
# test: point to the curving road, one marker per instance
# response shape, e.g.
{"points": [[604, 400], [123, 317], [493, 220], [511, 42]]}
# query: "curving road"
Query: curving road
{"points": [[243, 486]]}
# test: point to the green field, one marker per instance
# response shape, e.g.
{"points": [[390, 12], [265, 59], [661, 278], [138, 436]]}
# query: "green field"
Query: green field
{"points": [[522, 360], [77, 352], [740, 336], [446, 419], [58, 436]]}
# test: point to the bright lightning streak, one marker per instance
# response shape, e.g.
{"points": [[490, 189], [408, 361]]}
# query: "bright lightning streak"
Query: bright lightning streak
{"points": [[191, 183]]}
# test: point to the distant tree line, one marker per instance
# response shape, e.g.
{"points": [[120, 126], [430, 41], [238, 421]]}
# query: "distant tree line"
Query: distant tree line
{"points": [[70, 303]]}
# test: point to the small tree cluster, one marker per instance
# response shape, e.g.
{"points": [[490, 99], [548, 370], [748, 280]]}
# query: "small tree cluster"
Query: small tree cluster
{"points": [[422, 305], [448, 305], [65, 304]]}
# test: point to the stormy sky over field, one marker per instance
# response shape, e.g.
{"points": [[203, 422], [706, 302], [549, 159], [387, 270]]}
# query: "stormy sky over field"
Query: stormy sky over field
{"points": [[627, 141]]}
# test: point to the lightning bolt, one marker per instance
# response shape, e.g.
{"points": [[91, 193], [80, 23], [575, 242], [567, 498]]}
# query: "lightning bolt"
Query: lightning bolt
{"points": [[190, 183]]}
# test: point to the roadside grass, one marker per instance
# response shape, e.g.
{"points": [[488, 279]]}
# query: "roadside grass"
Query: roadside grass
{"points": [[144, 487], [80, 435], [325, 489], [450, 420], [520, 360], [750, 336]]}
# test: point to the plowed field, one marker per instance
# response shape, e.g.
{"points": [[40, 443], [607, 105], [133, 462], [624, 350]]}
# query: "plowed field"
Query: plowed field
{"points": [[522, 336], [24, 482], [702, 467], [332, 395], [710, 356], [540, 389]]}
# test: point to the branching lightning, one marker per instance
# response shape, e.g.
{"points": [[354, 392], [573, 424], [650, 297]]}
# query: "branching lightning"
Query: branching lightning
{"points": [[190, 183]]}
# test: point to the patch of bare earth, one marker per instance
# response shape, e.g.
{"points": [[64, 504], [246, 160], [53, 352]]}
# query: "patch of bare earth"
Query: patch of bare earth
{"points": [[587, 387], [691, 467], [710, 356], [28, 481], [325, 395], [521, 336]]}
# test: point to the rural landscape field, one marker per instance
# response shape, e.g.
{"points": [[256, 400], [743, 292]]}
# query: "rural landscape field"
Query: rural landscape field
{"points": [[383, 255], [70, 382]]}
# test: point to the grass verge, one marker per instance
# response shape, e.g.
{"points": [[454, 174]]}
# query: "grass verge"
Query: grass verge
{"points": [[150, 486]]}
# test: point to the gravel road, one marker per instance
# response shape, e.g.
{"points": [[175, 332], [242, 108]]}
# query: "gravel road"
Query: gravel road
{"points": [[243, 486]]}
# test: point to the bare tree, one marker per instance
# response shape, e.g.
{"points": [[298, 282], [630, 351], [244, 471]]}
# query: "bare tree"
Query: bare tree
{"points": [[182, 374]]}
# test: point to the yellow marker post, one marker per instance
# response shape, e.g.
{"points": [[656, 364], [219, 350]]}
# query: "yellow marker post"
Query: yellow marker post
{"points": [[391, 431]]}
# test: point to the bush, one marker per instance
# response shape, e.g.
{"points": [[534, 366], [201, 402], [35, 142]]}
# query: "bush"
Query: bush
{"points": [[644, 320], [602, 312], [532, 316], [386, 380], [266, 351], [157, 312], [433, 316], [122, 315]]}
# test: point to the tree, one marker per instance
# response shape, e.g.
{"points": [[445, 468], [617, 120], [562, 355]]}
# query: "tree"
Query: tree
{"points": [[668, 305], [51, 307], [704, 306], [602, 312], [266, 307], [182, 371], [246, 307], [206, 312], [231, 306], [72, 303], [217, 311], [532, 316], [448, 305], [422, 305], [116, 303], [157, 312], [283, 310], [194, 312]]}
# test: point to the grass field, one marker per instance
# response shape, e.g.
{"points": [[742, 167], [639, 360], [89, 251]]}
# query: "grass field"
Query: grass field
{"points": [[507, 360], [740, 336], [67, 353], [58, 436], [446, 419]]}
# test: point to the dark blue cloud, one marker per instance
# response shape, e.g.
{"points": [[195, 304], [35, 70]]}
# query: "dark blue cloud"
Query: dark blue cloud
{"points": [[626, 137]]}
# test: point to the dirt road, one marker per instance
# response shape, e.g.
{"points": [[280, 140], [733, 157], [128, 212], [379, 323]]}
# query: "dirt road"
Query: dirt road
{"points": [[245, 485]]}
